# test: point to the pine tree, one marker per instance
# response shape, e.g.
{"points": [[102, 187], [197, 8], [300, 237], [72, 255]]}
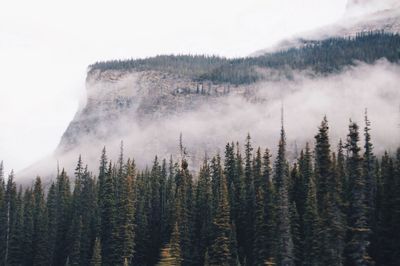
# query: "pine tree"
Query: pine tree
{"points": [[40, 241], [368, 170], [89, 214], [328, 202], [220, 253], [270, 210], [3, 217], [52, 221], [63, 217], [175, 246], [311, 226], [107, 214], [285, 256], [96, 257], [127, 214], [76, 234], [15, 252], [260, 252], [11, 210], [248, 201], [203, 212], [323, 166], [295, 231], [27, 230], [357, 253]]}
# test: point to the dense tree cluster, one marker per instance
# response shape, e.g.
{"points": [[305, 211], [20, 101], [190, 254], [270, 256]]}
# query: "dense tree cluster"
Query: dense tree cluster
{"points": [[327, 207], [325, 56]]}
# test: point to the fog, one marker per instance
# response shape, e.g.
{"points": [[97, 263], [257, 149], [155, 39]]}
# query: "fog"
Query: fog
{"points": [[305, 98]]}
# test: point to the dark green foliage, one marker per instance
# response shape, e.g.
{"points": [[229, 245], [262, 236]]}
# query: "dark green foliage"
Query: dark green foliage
{"points": [[107, 218], [220, 254], [342, 210], [285, 256], [27, 230], [358, 229], [3, 217], [40, 241], [311, 226], [324, 56], [96, 257], [15, 251], [175, 248], [328, 194]]}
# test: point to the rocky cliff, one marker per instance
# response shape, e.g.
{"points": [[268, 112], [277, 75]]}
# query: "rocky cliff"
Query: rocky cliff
{"points": [[147, 103]]}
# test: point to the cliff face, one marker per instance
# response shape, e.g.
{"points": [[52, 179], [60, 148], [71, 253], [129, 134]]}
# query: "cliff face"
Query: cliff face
{"points": [[115, 98], [209, 100]]}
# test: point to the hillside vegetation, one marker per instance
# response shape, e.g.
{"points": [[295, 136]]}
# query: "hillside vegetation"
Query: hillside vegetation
{"points": [[323, 57]]}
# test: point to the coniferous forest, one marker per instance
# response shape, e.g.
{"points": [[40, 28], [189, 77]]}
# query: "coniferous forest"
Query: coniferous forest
{"points": [[330, 206]]}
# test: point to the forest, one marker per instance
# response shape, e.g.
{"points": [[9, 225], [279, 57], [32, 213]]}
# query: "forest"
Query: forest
{"points": [[329, 206], [323, 57]]}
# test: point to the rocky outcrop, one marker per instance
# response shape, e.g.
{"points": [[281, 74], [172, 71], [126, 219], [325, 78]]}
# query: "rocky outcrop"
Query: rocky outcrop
{"points": [[137, 97]]}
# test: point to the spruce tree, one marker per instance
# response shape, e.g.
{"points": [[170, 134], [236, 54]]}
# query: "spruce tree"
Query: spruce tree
{"points": [[63, 217], [15, 251], [203, 212], [285, 256], [96, 257], [40, 241], [3, 217], [107, 214], [270, 208], [11, 209], [328, 201], [27, 230], [248, 201], [358, 233], [311, 226], [220, 253], [51, 221]]}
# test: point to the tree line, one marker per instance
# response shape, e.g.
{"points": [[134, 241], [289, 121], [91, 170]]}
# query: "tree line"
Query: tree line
{"points": [[329, 206], [323, 57]]}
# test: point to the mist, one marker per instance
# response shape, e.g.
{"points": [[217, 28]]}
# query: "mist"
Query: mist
{"points": [[306, 98]]}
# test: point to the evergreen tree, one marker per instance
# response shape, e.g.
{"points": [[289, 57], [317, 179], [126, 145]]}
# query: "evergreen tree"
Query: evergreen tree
{"points": [[76, 234], [40, 241], [295, 231], [285, 256], [11, 210], [311, 226], [270, 208], [370, 179], [127, 214], [107, 214], [220, 253], [15, 252], [203, 212], [357, 253], [328, 202], [3, 217], [52, 221], [96, 257], [63, 218], [175, 248], [248, 201], [27, 230]]}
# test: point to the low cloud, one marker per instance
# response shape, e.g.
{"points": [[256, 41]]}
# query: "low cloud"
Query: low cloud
{"points": [[306, 99]]}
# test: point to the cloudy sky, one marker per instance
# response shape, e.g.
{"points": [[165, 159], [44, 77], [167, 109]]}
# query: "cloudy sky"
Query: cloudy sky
{"points": [[46, 46]]}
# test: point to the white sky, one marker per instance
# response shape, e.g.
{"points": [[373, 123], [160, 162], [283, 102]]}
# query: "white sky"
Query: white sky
{"points": [[45, 47]]}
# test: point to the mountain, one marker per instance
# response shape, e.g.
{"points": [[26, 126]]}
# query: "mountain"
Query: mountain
{"points": [[360, 16], [148, 103]]}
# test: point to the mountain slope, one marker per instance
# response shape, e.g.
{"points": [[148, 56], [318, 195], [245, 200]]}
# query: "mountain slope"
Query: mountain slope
{"points": [[148, 102]]}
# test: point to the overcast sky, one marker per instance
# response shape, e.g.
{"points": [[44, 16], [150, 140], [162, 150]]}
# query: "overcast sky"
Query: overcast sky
{"points": [[46, 46]]}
